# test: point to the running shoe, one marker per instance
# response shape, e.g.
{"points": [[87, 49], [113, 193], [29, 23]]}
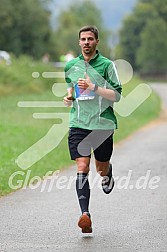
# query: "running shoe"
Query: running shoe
{"points": [[85, 223]]}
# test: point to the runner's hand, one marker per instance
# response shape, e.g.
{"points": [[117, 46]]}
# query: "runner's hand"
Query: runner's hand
{"points": [[68, 101], [85, 83]]}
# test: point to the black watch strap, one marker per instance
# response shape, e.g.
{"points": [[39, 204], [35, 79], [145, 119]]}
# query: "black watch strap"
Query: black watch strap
{"points": [[95, 88]]}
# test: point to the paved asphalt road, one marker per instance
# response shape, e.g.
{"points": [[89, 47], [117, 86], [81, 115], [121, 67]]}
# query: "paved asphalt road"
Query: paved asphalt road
{"points": [[132, 218]]}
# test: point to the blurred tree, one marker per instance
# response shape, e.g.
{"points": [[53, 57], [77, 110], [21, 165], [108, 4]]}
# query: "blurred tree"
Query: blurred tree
{"points": [[151, 56], [143, 34], [132, 27], [71, 20], [24, 27]]}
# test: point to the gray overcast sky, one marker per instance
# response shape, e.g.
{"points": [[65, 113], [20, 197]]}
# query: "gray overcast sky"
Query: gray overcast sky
{"points": [[113, 11]]}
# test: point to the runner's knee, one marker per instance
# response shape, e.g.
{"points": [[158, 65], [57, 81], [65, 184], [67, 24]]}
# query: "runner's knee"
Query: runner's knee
{"points": [[82, 166]]}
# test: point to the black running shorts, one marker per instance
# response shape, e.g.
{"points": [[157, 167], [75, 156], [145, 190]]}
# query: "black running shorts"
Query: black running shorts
{"points": [[83, 142]]}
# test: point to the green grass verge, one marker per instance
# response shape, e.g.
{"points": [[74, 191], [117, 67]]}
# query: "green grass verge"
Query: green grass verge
{"points": [[145, 113], [17, 77], [19, 131]]}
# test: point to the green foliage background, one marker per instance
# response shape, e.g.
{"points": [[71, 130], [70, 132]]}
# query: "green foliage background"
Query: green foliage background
{"points": [[143, 37], [25, 28]]}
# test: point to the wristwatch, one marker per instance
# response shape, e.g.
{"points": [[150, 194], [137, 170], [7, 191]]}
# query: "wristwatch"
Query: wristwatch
{"points": [[95, 88]]}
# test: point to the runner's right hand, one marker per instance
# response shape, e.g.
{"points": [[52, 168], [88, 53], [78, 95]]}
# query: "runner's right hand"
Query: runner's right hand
{"points": [[68, 101]]}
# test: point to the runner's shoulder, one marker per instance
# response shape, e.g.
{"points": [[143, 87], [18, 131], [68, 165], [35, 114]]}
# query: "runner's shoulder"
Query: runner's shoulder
{"points": [[70, 63], [106, 60]]}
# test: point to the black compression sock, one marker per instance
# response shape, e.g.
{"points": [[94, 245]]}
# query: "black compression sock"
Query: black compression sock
{"points": [[83, 191], [108, 181]]}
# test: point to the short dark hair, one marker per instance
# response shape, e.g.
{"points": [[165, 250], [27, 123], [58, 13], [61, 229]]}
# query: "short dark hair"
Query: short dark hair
{"points": [[91, 28]]}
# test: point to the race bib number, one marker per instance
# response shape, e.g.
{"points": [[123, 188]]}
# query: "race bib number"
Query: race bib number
{"points": [[83, 94]]}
